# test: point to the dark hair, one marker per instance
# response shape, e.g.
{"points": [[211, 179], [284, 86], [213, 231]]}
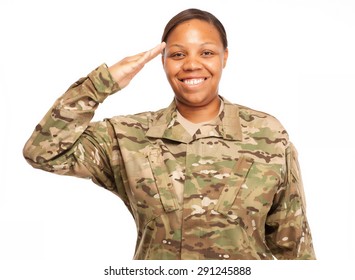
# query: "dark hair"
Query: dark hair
{"points": [[190, 14]]}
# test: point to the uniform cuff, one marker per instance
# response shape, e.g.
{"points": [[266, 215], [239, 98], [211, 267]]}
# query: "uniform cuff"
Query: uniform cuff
{"points": [[103, 82]]}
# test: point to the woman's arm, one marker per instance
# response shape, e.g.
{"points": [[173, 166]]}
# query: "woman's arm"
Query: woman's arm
{"points": [[287, 230], [65, 142]]}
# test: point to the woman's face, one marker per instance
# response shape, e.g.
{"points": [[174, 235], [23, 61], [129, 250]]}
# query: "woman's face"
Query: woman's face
{"points": [[193, 61]]}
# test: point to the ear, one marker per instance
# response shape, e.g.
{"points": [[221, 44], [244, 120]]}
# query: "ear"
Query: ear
{"points": [[225, 57]]}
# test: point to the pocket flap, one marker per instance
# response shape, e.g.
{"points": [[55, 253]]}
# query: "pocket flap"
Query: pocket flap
{"points": [[163, 182], [229, 192]]}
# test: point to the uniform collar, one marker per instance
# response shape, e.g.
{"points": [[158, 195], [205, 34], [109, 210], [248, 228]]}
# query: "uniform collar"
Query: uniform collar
{"points": [[163, 124]]}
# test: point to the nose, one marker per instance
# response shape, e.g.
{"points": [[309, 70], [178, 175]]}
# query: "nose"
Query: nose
{"points": [[192, 62]]}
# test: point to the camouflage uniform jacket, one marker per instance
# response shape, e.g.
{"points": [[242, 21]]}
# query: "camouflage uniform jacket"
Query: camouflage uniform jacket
{"points": [[242, 189]]}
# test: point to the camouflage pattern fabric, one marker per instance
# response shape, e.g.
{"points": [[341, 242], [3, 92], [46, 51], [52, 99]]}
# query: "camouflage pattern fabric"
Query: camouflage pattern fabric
{"points": [[242, 189]]}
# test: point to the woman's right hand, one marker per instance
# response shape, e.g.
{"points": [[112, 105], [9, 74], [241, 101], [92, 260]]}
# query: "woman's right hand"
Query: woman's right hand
{"points": [[124, 70]]}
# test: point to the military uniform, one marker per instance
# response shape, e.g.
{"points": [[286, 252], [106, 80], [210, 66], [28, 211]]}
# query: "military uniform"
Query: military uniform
{"points": [[232, 190]]}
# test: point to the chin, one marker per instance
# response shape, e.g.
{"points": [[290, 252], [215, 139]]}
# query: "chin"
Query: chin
{"points": [[194, 100]]}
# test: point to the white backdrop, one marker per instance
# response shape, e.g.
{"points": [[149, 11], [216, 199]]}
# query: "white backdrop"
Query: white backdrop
{"points": [[292, 59]]}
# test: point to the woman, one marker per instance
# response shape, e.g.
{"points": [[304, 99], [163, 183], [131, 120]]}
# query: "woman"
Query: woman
{"points": [[203, 178]]}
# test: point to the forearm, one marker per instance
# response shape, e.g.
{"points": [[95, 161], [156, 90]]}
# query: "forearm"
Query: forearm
{"points": [[68, 118]]}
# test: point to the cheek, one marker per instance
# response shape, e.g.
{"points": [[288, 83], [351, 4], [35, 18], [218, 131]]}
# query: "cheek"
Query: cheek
{"points": [[171, 69], [214, 65], [217, 67]]}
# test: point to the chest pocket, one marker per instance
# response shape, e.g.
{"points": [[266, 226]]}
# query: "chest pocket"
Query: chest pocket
{"points": [[229, 192], [163, 181], [149, 186]]}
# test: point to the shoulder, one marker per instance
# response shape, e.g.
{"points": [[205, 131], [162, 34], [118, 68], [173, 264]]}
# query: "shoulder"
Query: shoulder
{"points": [[257, 125], [252, 117], [138, 121]]}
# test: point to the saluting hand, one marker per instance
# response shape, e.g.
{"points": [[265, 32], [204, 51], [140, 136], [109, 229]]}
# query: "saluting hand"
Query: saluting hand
{"points": [[124, 70]]}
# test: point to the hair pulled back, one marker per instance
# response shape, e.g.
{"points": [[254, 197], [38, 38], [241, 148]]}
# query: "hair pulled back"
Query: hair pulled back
{"points": [[190, 14]]}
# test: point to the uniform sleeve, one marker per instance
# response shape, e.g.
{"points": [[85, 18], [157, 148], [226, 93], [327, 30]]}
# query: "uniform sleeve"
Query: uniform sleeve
{"points": [[287, 230], [66, 143]]}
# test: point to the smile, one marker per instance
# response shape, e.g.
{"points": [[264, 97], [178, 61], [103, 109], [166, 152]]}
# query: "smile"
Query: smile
{"points": [[193, 81]]}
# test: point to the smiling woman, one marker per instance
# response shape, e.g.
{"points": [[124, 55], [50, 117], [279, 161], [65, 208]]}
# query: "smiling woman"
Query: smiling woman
{"points": [[203, 178], [193, 61]]}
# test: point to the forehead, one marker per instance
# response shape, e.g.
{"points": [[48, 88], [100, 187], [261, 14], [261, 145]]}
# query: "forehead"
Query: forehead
{"points": [[194, 30]]}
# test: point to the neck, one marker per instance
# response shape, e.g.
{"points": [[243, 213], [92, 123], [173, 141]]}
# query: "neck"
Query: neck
{"points": [[197, 114]]}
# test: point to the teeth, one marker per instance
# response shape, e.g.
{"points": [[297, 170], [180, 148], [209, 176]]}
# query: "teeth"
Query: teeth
{"points": [[193, 81]]}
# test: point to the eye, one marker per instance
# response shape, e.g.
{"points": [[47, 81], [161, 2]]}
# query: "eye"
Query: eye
{"points": [[207, 53], [177, 55]]}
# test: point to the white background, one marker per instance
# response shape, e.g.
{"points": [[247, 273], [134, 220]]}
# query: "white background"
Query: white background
{"points": [[292, 59]]}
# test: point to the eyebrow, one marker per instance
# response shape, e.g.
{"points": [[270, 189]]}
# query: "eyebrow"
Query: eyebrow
{"points": [[181, 46]]}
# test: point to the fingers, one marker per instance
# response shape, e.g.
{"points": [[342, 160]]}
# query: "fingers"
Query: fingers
{"points": [[156, 50], [144, 57], [139, 60], [152, 53], [124, 70]]}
